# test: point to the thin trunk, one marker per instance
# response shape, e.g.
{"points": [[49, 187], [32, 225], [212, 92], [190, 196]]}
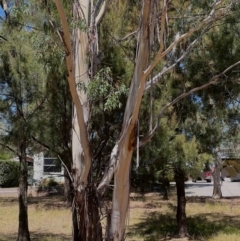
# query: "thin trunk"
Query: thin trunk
{"points": [[75, 230], [96, 227], [217, 192], [181, 203], [23, 231], [166, 186], [151, 110], [90, 228], [67, 188]]}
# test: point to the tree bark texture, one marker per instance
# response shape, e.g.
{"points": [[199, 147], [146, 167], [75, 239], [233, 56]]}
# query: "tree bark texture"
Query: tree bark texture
{"points": [[75, 230], [181, 203], [217, 191], [89, 224], [68, 188], [86, 202], [127, 140], [23, 230], [81, 160], [78, 78], [166, 186]]}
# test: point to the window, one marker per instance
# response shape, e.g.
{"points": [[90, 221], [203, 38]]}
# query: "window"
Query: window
{"points": [[51, 165]]}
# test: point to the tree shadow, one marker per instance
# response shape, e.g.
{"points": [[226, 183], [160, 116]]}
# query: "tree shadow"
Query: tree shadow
{"points": [[46, 202], [198, 199], [8, 201], [37, 236], [157, 226]]}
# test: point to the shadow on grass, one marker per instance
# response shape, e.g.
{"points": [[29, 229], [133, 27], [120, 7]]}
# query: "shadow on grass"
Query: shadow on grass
{"points": [[48, 202], [159, 226], [8, 201], [42, 202], [197, 199], [36, 236]]}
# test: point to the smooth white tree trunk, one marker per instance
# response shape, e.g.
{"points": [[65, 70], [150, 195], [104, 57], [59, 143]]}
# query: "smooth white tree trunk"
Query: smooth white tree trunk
{"points": [[128, 136], [81, 166]]}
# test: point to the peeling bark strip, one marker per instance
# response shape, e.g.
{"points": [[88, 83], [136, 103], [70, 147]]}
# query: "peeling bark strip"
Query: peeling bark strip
{"points": [[111, 170], [80, 127], [121, 178]]}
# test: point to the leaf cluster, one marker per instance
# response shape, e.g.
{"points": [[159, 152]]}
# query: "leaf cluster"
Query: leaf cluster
{"points": [[9, 173]]}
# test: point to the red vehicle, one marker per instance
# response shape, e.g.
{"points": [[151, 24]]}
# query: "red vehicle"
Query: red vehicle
{"points": [[208, 176], [205, 175]]}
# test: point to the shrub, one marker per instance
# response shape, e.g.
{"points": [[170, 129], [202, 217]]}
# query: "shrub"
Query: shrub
{"points": [[52, 182], [9, 173], [47, 183]]}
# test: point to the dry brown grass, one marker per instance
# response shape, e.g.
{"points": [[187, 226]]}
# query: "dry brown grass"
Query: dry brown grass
{"points": [[150, 219], [49, 219], [153, 219]]}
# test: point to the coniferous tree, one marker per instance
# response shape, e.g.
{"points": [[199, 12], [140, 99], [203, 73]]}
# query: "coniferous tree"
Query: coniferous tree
{"points": [[22, 84]]}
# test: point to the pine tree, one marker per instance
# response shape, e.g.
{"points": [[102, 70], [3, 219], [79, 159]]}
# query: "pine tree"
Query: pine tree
{"points": [[22, 95]]}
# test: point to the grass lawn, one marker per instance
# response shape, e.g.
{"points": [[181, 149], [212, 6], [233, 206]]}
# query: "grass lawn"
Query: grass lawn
{"points": [[49, 219], [154, 219], [150, 219]]}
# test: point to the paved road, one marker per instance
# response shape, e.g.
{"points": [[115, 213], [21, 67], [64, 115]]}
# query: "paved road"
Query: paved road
{"points": [[204, 189], [8, 192], [200, 188]]}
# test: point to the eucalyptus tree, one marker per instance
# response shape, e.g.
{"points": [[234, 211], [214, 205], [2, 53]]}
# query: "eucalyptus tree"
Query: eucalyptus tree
{"points": [[163, 25], [201, 113], [175, 33]]}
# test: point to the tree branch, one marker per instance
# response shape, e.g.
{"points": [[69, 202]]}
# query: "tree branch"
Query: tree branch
{"points": [[127, 36], [3, 38], [72, 85], [101, 11], [40, 142], [111, 170], [211, 17], [9, 148], [69, 174], [157, 77], [213, 80]]}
